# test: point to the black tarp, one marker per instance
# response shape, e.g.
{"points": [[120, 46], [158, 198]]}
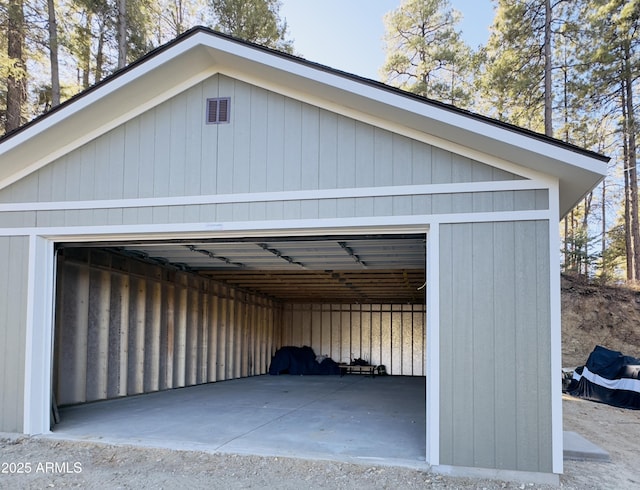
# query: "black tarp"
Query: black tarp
{"points": [[301, 360], [609, 377]]}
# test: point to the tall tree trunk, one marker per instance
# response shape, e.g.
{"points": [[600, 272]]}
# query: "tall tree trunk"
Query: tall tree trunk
{"points": [[53, 54], [628, 248], [566, 244], [584, 254], [632, 161], [178, 20], [603, 240], [100, 54], [122, 33], [572, 247], [548, 100], [85, 61], [17, 79]]}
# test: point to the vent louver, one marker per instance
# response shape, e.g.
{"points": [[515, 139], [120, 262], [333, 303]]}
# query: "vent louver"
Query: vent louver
{"points": [[218, 110]]}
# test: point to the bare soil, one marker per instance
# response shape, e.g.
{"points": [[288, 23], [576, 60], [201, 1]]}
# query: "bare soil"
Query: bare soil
{"points": [[65, 464], [591, 315], [598, 315]]}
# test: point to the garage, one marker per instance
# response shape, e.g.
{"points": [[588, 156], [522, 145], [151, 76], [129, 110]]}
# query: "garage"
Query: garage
{"points": [[174, 225], [346, 297], [135, 318]]}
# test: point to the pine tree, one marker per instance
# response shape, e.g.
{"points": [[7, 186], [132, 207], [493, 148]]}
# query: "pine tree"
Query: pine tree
{"points": [[611, 62], [52, 26], [425, 53], [517, 79], [257, 21], [16, 81]]}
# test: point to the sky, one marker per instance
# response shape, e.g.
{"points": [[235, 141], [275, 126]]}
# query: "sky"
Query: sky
{"points": [[347, 34]]}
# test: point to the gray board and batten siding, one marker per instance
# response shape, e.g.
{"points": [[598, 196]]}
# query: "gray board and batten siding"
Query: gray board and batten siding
{"points": [[495, 349], [14, 262], [272, 144]]}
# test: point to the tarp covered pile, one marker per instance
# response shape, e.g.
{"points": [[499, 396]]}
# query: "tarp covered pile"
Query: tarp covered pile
{"points": [[609, 377], [301, 360]]}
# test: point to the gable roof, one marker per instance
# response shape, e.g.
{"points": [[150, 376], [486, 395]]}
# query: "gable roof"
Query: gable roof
{"points": [[201, 52]]}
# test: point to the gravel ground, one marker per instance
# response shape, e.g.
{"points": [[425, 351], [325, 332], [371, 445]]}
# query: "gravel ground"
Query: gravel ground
{"points": [[32, 462]]}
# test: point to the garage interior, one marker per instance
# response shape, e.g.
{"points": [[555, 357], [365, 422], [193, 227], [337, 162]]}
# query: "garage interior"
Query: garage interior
{"points": [[146, 330]]}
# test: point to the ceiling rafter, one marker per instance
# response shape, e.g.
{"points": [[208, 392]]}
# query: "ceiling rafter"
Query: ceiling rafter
{"points": [[351, 253], [279, 254], [213, 256]]}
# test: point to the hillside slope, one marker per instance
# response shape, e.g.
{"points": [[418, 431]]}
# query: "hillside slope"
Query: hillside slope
{"points": [[598, 315]]}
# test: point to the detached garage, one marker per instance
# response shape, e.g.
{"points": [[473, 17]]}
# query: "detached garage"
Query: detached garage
{"points": [[179, 222]]}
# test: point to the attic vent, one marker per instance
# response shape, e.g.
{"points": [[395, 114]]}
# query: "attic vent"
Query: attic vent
{"points": [[218, 110]]}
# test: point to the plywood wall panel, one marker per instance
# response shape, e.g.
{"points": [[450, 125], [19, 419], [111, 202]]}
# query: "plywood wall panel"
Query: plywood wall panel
{"points": [[406, 325], [125, 328], [98, 334], [392, 335], [118, 334], [152, 337], [71, 343], [135, 383], [167, 341], [222, 345], [212, 336]]}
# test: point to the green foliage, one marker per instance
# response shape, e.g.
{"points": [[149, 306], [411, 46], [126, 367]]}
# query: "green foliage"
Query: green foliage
{"points": [[257, 21], [512, 83], [425, 52], [613, 266], [580, 255]]}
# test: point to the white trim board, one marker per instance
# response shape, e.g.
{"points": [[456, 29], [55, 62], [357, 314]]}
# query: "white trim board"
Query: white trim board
{"points": [[196, 230], [433, 347], [275, 196], [41, 308], [39, 337], [556, 335]]}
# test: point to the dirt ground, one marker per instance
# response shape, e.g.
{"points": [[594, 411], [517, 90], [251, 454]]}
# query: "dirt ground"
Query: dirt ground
{"points": [[598, 315], [591, 316], [62, 464]]}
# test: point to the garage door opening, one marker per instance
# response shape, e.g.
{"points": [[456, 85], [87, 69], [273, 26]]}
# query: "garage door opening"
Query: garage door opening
{"points": [[146, 318]]}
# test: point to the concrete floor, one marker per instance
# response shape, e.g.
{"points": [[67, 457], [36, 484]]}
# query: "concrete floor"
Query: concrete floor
{"points": [[346, 418]]}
